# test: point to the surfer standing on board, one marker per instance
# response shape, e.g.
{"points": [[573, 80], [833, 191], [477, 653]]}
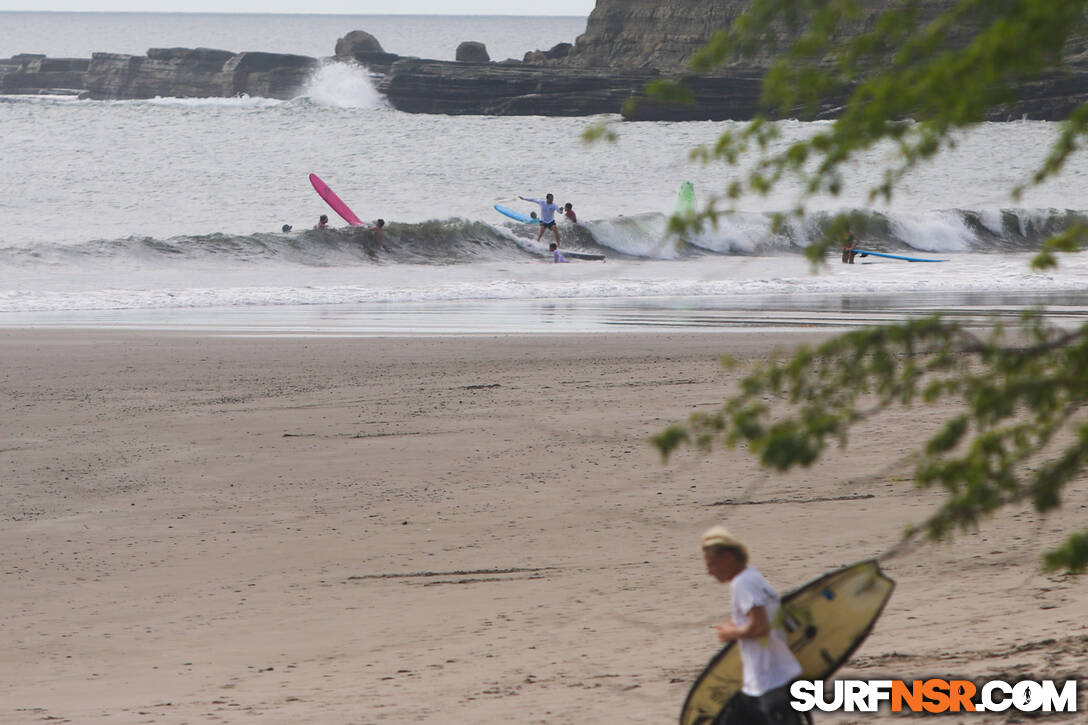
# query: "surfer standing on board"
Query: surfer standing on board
{"points": [[769, 665], [548, 208]]}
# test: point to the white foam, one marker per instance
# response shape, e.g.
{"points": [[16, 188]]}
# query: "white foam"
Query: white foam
{"points": [[726, 277], [737, 232], [936, 231], [342, 85], [643, 235], [40, 98], [993, 220], [241, 101]]}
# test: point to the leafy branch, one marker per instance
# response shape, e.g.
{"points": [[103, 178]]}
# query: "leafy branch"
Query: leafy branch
{"points": [[906, 80], [910, 80], [1016, 399]]}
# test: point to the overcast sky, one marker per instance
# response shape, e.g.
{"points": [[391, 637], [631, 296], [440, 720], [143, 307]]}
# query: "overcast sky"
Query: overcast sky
{"points": [[349, 7]]}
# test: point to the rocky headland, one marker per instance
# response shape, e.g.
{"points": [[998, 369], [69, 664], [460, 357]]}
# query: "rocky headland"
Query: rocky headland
{"points": [[167, 72], [626, 44]]}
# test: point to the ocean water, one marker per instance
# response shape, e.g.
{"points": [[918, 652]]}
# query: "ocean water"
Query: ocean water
{"points": [[167, 212]]}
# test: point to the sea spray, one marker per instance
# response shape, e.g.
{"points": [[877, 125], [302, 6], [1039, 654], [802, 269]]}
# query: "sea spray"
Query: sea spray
{"points": [[342, 85]]}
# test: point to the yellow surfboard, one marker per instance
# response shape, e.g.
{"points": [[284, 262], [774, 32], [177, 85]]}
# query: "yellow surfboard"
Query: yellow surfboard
{"points": [[825, 621]]}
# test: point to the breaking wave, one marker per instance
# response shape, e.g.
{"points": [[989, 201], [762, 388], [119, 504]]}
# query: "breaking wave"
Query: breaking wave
{"points": [[644, 236]]}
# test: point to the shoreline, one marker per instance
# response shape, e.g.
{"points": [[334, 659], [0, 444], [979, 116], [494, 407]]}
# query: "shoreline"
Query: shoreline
{"points": [[706, 314], [449, 529]]}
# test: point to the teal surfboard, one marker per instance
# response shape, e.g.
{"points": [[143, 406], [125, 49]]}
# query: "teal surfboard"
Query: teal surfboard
{"points": [[515, 214], [864, 252]]}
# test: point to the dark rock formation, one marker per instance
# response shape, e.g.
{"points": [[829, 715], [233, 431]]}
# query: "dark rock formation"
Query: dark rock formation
{"points": [[357, 41], [626, 44], [656, 35], [378, 63], [363, 48], [734, 97], [270, 75], [624, 40], [37, 74], [472, 52], [1051, 98], [434, 86], [559, 51], [649, 33], [169, 72], [665, 35], [178, 72]]}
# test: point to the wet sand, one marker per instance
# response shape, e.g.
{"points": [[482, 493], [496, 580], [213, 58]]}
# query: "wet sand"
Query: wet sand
{"points": [[448, 529]]}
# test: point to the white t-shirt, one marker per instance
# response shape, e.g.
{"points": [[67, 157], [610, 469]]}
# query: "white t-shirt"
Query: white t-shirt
{"points": [[768, 662], [547, 209]]}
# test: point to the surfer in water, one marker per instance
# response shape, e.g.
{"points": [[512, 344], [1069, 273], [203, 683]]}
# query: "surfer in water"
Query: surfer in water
{"points": [[379, 230], [322, 222], [557, 256], [568, 212], [548, 208], [768, 664], [849, 247]]}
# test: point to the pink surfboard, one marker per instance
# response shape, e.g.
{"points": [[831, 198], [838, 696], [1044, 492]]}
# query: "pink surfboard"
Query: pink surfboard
{"points": [[334, 201]]}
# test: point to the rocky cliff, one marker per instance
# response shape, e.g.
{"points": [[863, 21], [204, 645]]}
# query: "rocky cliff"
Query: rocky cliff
{"points": [[665, 35], [29, 73], [649, 33], [626, 44], [625, 38], [168, 72]]}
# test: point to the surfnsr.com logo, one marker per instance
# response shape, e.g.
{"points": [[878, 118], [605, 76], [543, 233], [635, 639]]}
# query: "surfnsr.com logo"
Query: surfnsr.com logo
{"points": [[935, 696]]}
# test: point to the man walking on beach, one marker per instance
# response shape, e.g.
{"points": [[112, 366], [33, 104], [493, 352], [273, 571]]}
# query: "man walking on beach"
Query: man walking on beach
{"points": [[769, 665], [548, 208]]}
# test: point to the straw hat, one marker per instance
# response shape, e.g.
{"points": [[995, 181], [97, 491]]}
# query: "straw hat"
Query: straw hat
{"points": [[718, 537]]}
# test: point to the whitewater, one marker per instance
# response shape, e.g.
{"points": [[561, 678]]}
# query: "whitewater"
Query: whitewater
{"points": [[169, 211]]}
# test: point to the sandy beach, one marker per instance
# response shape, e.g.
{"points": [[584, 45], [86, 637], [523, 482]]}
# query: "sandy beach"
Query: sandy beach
{"points": [[203, 528]]}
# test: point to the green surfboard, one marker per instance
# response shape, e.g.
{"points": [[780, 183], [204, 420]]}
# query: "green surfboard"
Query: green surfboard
{"points": [[685, 199]]}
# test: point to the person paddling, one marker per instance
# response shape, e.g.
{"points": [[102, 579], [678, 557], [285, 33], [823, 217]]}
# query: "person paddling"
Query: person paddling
{"points": [[557, 256]]}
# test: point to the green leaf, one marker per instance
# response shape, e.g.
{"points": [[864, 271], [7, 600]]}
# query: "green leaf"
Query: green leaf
{"points": [[907, 83]]}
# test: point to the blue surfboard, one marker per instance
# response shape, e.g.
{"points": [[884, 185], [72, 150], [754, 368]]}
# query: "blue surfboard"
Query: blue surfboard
{"points": [[864, 252], [515, 214]]}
